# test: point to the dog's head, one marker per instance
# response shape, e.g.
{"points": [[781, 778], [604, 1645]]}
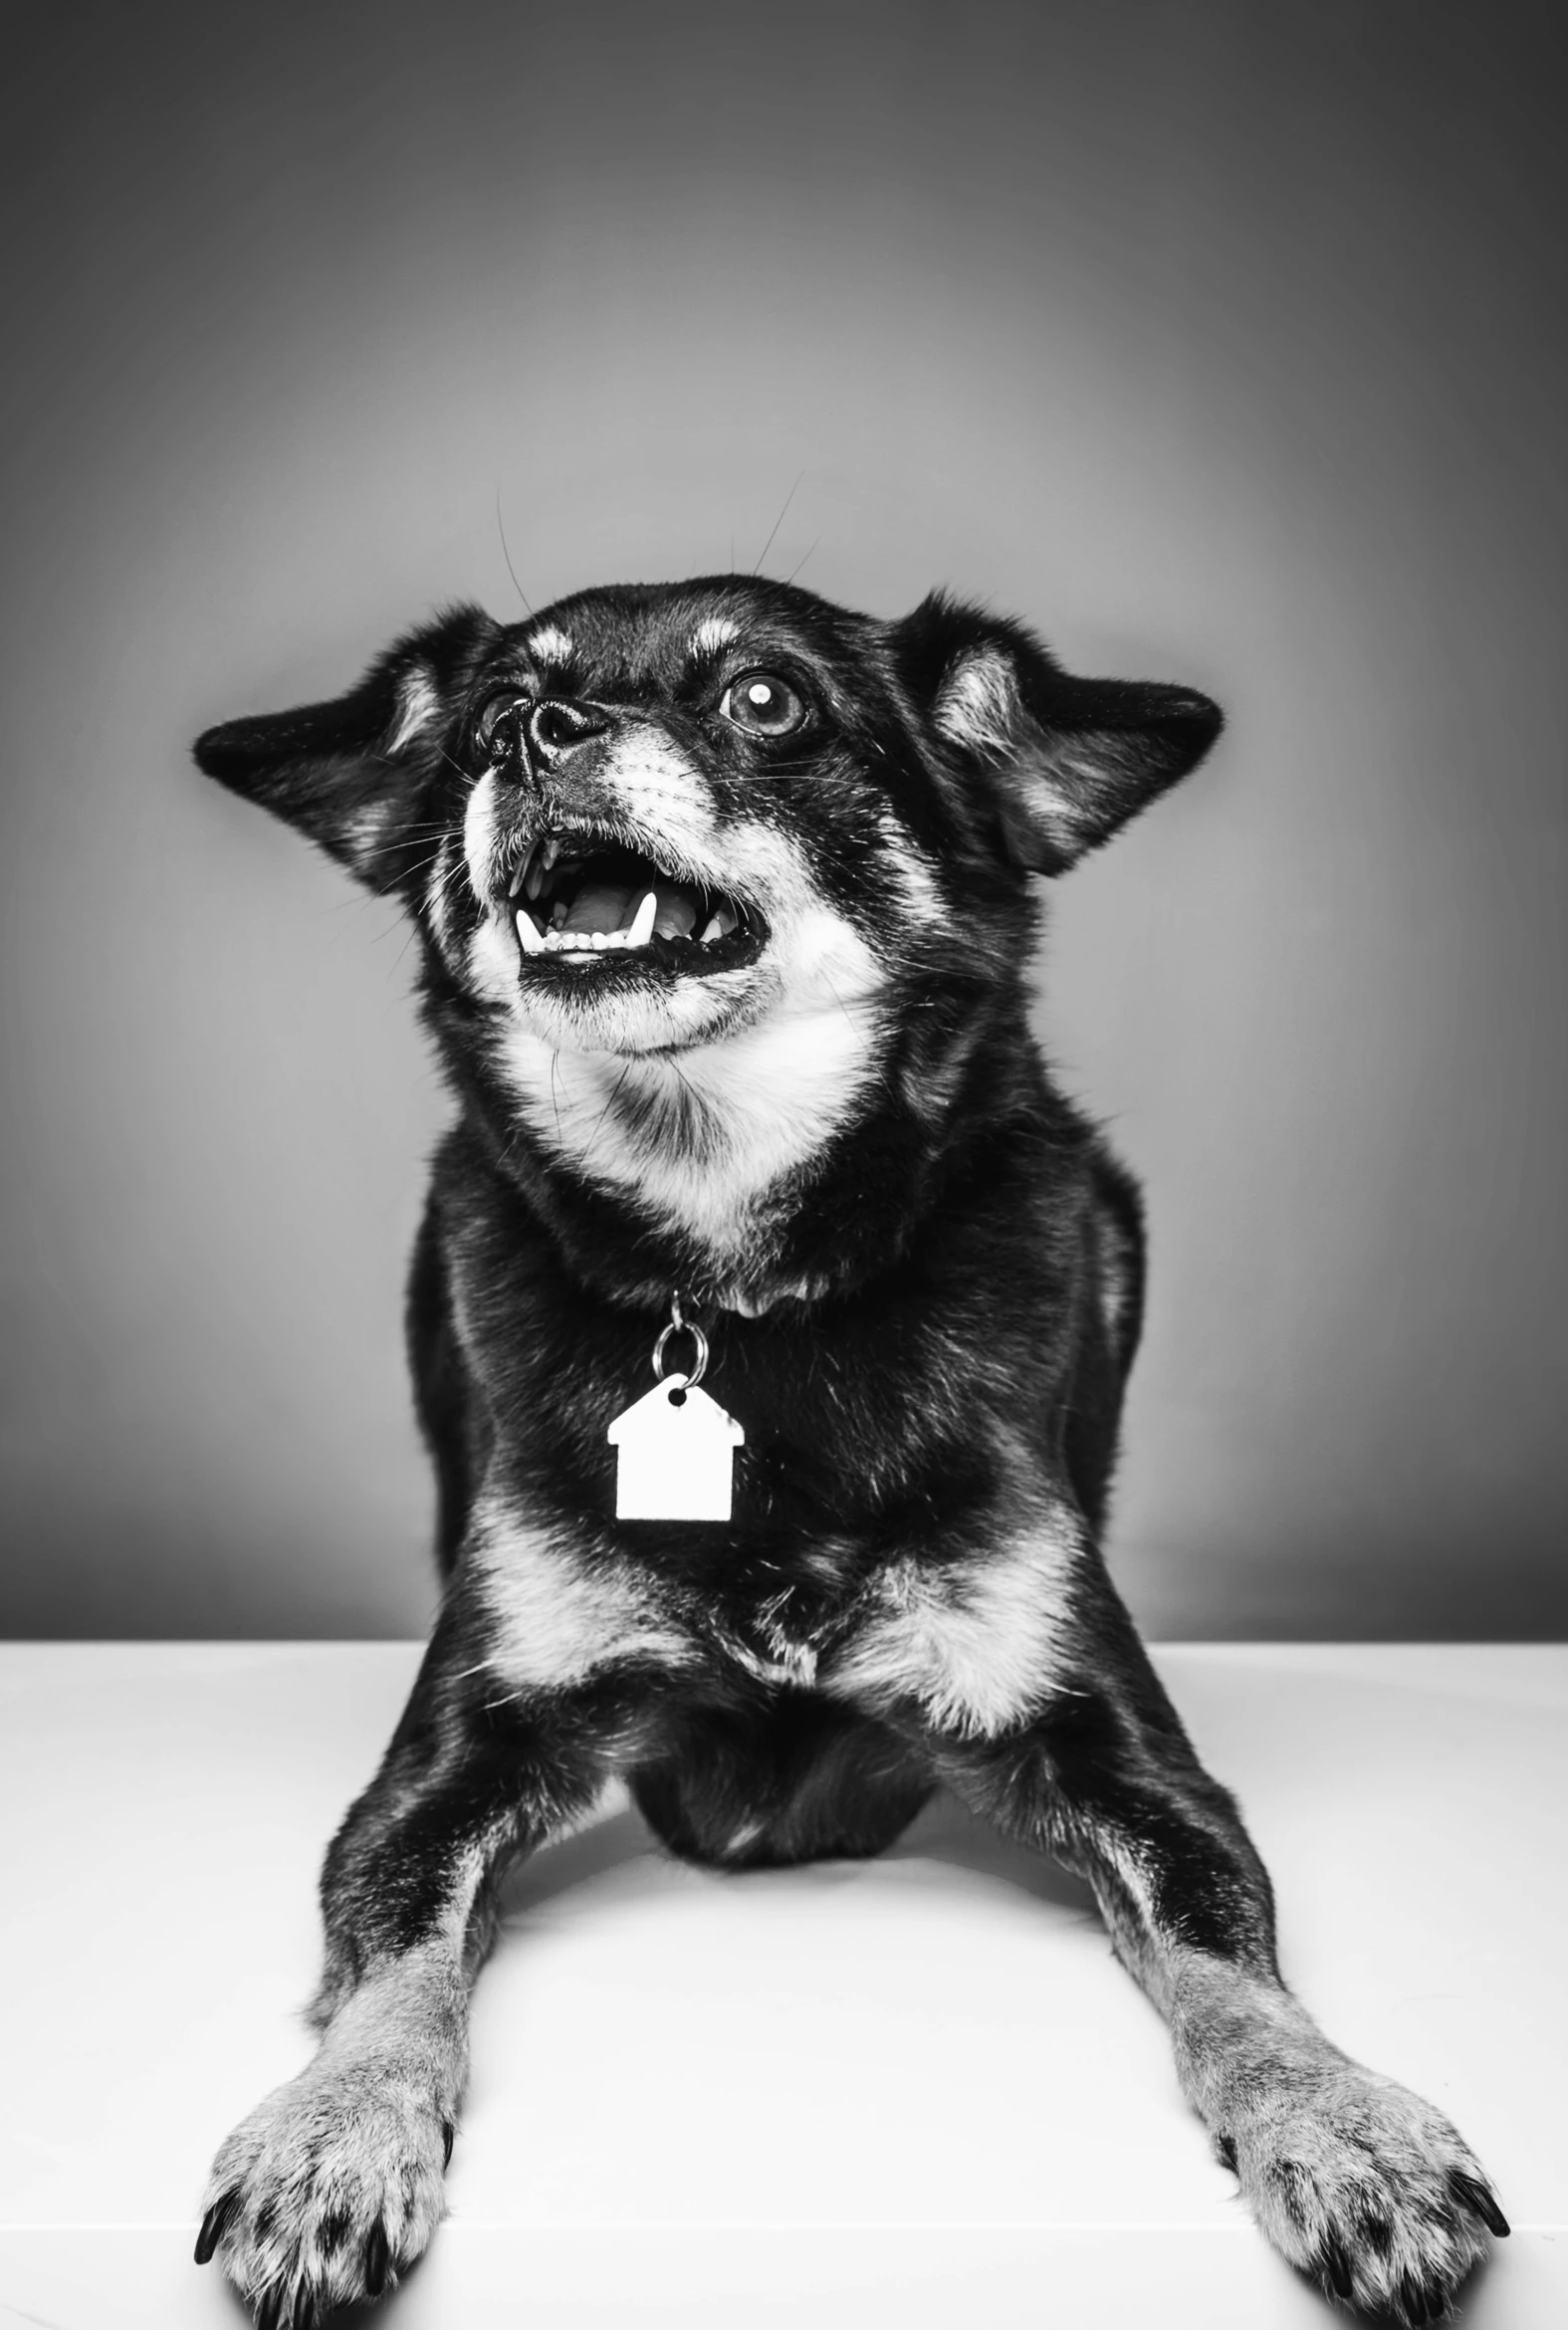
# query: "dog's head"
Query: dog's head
{"points": [[651, 815], [662, 828]]}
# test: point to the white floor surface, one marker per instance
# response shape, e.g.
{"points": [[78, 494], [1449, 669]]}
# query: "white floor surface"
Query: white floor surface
{"points": [[916, 2092]]}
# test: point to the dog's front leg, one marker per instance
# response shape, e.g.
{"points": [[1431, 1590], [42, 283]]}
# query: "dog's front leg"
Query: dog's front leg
{"points": [[1357, 2181], [334, 2183]]}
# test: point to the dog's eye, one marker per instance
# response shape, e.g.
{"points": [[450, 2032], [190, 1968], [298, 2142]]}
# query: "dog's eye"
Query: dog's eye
{"points": [[762, 704], [494, 727]]}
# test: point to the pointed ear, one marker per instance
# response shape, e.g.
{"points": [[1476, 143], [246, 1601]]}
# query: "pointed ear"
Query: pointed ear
{"points": [[1066, 761], [358, 775]]}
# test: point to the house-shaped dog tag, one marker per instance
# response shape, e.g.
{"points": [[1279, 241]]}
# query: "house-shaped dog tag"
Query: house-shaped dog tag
{"points": [[675, 1455]]}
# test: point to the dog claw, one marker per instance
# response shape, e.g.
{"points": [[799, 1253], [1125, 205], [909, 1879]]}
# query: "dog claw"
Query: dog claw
{"points": [[448, 2139], [214, 2224], [377, 2257], [1480, 2202], [1335, 2267], [1413, 2301]]}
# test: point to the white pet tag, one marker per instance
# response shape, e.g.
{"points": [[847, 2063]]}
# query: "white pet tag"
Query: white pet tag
{"points": [[674, 1455], [675, 1448]]}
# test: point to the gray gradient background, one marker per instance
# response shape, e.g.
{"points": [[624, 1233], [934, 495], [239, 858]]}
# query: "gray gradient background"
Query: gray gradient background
{"points": [[1225, 342]]}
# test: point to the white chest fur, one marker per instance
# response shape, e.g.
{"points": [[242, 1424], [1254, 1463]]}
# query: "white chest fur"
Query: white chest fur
{"points": [[699, 1139]]}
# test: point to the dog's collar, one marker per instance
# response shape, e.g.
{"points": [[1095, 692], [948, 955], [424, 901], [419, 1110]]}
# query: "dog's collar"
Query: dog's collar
{"points": [[744, 1306]]}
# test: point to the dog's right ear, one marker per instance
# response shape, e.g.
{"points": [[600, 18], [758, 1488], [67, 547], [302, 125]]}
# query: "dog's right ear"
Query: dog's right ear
{"points": [[356, 774]]}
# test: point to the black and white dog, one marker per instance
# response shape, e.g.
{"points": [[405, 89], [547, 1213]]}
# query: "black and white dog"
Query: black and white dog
{"points": [[725, 911]]}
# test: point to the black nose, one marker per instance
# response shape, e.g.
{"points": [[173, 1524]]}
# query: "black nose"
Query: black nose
{"points": [[556, 727]]}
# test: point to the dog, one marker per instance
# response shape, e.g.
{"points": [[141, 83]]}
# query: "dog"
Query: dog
{"points": [[770, 1323]]}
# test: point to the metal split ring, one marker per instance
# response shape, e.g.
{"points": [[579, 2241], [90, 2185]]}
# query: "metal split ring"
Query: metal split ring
{"points": [[681, 1325]]}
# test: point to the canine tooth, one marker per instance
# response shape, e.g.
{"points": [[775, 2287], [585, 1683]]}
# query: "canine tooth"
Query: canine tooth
{"points": [[516, 882], [714, 930], [641, 929], [552, 851], [536, 875], [534, 940]]}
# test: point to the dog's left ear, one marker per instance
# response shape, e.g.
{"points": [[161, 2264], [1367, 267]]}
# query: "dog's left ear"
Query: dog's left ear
{"points": [[1066, 761], [356, 774]]}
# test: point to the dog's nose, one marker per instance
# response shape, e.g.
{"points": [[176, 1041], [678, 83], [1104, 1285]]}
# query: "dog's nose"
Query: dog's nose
{"points": [[557, 728]]}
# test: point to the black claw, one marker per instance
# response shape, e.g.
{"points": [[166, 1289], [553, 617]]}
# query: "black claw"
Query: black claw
{"points": [[377, 2257], [214, 2226], [1335, 2267], [1480, 2202], [448, 2138], [269, 2312], [1414, 2303]]}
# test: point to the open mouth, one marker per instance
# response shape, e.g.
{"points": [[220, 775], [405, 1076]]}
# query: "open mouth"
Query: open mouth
{"points": [[587, 902]]}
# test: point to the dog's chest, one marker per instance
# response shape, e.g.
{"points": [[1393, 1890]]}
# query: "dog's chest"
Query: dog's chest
{"points": [[559, 1614], [974, 1641]]}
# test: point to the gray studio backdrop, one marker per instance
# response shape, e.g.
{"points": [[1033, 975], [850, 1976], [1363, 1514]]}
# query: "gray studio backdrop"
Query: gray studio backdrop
{"points": [[1224, 343]]}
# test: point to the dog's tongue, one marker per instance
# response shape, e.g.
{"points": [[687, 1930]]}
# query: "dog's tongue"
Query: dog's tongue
{"points": [[607, 906], [602, 906]]}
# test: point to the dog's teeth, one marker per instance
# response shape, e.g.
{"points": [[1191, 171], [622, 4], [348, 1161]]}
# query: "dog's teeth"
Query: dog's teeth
{"points": [[597, 940], [533, 938], [714, 930], [536, 876], [516, 882], [558, 913], [642, 921], [614, 938], [550, 852]]}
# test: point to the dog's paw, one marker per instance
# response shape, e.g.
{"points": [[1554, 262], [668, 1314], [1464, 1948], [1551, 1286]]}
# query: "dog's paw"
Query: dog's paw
{"points": [[1368, 2190], [326, 2193]]}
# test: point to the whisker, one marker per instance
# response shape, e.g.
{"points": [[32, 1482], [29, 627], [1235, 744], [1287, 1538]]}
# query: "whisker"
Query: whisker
{"points": [[779, 521], [452, 880], [456, 767], [794, 570], [400, 840], [583, 1162], [388, 848], [413, 933], [507, 555]]}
